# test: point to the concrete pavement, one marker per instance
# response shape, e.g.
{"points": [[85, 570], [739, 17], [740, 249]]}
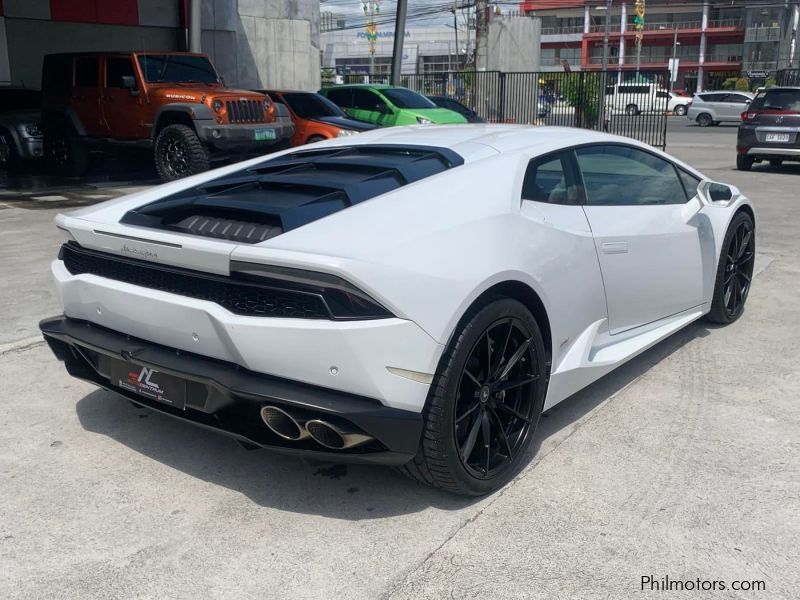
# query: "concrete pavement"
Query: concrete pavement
{"points": [[684, 463]]}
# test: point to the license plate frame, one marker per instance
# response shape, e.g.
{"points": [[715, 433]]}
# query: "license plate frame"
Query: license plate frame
{"points": [[149, 383], [264, 135], [777, 138]]}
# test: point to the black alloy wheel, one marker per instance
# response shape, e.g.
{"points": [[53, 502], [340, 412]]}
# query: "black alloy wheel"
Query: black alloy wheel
{"points": [[495, 405], [484, 402], [179, 153], [735, 271]]}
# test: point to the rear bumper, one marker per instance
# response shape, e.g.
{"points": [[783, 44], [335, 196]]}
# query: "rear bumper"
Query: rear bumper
{"points": [[226, 398]]}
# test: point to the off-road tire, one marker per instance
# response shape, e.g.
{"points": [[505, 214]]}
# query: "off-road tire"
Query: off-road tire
{"points": [[65, 152], [704, 120], [437, 462], [718, 313], [744, 162], [178, 153]]}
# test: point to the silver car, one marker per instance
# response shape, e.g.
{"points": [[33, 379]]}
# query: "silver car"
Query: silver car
{"points": [[713, 108]]}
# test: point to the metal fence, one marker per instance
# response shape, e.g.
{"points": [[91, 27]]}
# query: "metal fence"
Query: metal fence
{"points": [[623, 103], [788, 77]]}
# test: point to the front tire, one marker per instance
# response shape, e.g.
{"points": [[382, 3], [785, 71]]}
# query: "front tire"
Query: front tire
{"points": [[65, 153], [735, 270], [179, 153], [484, 402], [631, 110]]}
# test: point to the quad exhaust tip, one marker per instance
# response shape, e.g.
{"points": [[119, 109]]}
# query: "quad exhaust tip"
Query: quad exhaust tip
{"points": [[283, 424], [335, 437]]}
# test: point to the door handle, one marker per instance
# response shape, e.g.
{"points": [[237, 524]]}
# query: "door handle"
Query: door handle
{"points": [[614, 247]]}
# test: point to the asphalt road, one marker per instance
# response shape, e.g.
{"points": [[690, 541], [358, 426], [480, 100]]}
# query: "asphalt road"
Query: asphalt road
{"points": [[684, 463]]}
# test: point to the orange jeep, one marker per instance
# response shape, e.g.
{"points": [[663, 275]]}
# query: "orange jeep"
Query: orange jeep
{"points": [[174, 102]]}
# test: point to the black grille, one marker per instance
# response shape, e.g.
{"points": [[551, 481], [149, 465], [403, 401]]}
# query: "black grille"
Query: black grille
{"points": [[227, 229], [240, 297], [245, 111]]}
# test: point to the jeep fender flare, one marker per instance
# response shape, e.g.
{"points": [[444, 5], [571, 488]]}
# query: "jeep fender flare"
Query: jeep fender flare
{"points": [[53, 114], [184, 111]]}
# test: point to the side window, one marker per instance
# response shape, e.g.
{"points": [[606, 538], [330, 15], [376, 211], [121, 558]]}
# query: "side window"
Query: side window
{"points": [[116, 69], [366, 100], [690, 183], [86, 72], [662, 94], [341, 97], [548, 180], [737, 98], [617, 175]]}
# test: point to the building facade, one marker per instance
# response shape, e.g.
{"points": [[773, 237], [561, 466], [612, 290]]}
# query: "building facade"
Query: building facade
{"points": [[713, 41], [253, 43]]}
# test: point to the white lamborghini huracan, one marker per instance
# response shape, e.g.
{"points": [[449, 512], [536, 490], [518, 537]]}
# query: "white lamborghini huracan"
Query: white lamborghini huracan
{"points": [[411, 296]]}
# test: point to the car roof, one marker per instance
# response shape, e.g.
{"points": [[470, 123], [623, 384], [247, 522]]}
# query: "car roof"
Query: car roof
{"points": [[374, 86], [126, 53], [776, 88], [477, 141]]}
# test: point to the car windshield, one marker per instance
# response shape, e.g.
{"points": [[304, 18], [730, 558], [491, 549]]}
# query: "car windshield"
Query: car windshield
{"points": [[308, 106], [403, 98], [788, 100], [176, 68]]}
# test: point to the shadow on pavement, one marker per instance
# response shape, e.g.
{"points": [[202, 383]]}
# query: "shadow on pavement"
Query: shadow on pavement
{"points": [[352, 492]]}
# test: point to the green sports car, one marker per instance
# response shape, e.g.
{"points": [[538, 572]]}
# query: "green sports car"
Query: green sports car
{"points": [[386, 105]]}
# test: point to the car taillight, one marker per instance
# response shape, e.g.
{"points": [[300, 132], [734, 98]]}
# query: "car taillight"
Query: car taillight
{"points": [[747, 115]]}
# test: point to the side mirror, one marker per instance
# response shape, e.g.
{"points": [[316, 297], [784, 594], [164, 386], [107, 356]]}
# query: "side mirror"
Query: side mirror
{"points": [[709, 193]]}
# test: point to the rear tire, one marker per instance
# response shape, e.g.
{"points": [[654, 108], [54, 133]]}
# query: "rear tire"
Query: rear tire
{"points": [[704, 120], [179, 153], [734, 271], [453, 454], [680, 110], [65, 153], [744, 162]]}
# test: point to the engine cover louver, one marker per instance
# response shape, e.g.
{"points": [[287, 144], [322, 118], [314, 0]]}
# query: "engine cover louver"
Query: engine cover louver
{"points": [[227, 229], [256, 204]]}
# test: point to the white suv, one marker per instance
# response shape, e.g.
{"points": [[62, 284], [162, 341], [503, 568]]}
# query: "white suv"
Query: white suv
{"points": [[713, 108]]}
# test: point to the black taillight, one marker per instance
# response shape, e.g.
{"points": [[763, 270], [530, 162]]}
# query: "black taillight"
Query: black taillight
{"points": [[343, 300]]}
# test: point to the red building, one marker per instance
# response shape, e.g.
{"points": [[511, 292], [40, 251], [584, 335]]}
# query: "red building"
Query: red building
{"points": [[707, 40]]}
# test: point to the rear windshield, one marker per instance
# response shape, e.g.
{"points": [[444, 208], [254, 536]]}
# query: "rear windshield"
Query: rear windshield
{"points": [[403, 98], [170, 68], [777, 100], [308, 106]]}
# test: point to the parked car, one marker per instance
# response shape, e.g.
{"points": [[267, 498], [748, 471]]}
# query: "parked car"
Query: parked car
{"points": [[677, 104], [770, 128], [20, 132], [452, 104], [386, 105], [636, 98], [172, 102], [413, 297], [315, 117], [713, 108]]}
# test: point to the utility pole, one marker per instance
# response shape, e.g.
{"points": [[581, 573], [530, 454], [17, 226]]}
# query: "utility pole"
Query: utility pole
{"points": [[195, 26], [481, 35], [455, 29], [399, 35]]}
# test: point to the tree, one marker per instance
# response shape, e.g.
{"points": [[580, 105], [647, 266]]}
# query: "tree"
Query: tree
{"points": [[742, 84]]}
